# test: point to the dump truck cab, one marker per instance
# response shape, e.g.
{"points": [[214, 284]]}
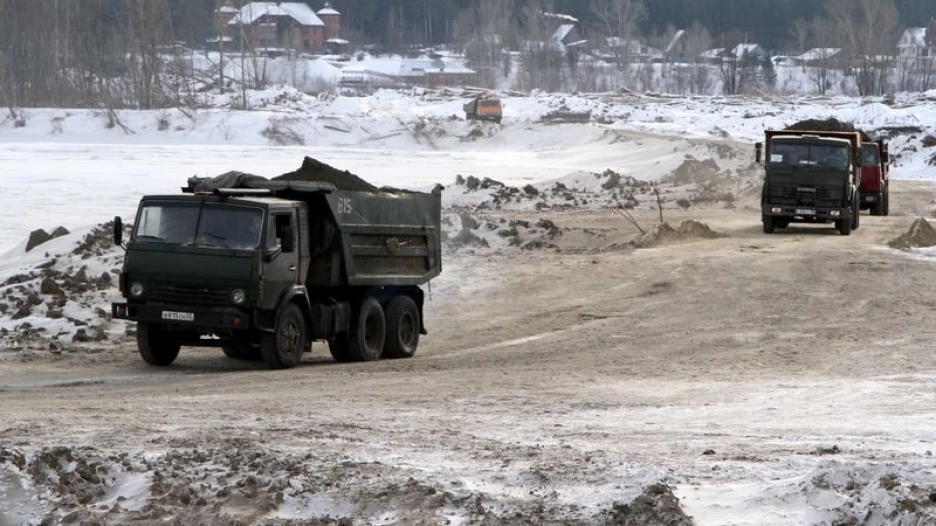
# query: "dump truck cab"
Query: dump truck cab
{"points": [[875, 181], [262, 272], [810, 177]]}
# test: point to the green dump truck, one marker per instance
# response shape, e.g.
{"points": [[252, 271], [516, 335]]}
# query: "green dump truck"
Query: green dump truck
{"points": [[261, 268], [810, 177]]}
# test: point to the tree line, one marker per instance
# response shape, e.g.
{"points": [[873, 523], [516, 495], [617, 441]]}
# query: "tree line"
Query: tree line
{"points": [[111, 53]]}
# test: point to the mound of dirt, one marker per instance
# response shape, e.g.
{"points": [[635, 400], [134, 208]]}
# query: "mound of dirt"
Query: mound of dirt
{"points": [[662, 233], [40, 236], [691, 228], [920, 234], [316, 171], [656, 506], [693, 171], [829, 124]]}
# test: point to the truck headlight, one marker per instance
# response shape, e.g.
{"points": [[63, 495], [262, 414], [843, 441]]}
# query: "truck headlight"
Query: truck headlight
{"points": [[238, 297], [136, 289]]}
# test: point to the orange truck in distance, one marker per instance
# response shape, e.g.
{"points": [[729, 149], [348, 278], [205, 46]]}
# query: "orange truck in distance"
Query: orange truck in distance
{"points": [[484, 109]]}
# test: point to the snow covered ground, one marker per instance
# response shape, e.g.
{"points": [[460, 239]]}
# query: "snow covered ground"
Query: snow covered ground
{"points": [[87, 168]]}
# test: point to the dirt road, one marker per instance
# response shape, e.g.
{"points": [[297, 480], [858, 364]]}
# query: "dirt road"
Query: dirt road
{"points": [[781, 379]]}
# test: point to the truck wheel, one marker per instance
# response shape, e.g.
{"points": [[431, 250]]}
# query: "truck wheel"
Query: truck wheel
{"points": [[402, 328], [886, 210], [156, 346], [283, 349], [368, 334], [878, 208], [769, 224], [844, 226]]}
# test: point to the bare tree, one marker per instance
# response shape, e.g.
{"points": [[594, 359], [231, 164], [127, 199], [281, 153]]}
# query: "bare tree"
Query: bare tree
{"points": [[486, 31], [822, 38], [542, 56], [869, 30], [698, 40], [799, 33], [620, 22]]}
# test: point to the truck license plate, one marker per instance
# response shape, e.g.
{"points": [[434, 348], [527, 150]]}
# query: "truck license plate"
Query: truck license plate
{"points": [[178, 316], [805, 212], [869, 198]]}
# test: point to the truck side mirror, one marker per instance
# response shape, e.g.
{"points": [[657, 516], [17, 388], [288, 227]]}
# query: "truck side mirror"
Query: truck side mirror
{"points": [[118, 231], [287, 243], [758, 152]]}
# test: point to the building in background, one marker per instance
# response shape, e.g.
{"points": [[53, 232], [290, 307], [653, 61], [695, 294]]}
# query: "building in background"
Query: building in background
{"points": [[279, 27]]}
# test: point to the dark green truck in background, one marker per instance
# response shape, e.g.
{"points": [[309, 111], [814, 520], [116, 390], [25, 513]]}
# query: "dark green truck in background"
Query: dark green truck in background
{"points": [[810, 177], [264, 268]]}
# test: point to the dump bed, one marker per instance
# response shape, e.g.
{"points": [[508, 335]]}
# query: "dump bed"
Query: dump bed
{"points": [[379, 238], [388, 238]]}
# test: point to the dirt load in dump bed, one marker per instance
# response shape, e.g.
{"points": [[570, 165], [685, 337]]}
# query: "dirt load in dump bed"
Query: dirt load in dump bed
{"points": [[831, 124], [317, 171]]}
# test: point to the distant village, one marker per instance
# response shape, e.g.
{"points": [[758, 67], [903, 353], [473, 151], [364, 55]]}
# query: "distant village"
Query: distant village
{"points": [[295, 30]]}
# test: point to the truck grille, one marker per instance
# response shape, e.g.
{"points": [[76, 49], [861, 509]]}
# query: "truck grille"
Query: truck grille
{"points": [[186, 294], [802, 193]]}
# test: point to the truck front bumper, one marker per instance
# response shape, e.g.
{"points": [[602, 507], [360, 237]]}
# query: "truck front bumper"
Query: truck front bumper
{"points": [[183, 315], [806, 214]]}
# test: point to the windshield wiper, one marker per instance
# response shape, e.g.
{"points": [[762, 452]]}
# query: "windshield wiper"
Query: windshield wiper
{"points": [[222, 239]]}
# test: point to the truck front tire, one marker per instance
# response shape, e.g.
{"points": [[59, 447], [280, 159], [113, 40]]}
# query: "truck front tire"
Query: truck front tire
{"points": [[844, 226], [402, 328], [156, 346], [770, 224], [283, 349]]}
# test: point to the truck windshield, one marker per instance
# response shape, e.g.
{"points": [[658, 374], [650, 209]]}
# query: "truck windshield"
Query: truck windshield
{"points": [[808, 154], [869, 155], [211, 225]]}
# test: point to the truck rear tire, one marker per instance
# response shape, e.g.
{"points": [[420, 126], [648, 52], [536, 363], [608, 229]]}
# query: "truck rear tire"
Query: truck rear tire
{"points": [[283, 349], [886, 200], [770, 224], [402, 328], [856, 217], [156, 346], [878, 208]]}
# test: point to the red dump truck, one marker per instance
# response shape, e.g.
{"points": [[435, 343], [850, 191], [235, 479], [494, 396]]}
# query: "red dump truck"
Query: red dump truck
{"points": [[875, 182]]}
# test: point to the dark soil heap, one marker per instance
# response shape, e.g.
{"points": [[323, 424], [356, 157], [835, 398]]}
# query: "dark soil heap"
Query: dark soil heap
{"points": [[656, 506], [316, 171], [831, 124]]}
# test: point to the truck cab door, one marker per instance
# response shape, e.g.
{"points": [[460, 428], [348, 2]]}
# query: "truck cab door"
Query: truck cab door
{"points": [[282, 268]]}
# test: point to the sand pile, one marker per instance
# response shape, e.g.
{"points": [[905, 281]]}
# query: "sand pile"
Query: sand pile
{"points": [[317, 171], [691, 228], [693, 171], [661, 233], [920, 234]]}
